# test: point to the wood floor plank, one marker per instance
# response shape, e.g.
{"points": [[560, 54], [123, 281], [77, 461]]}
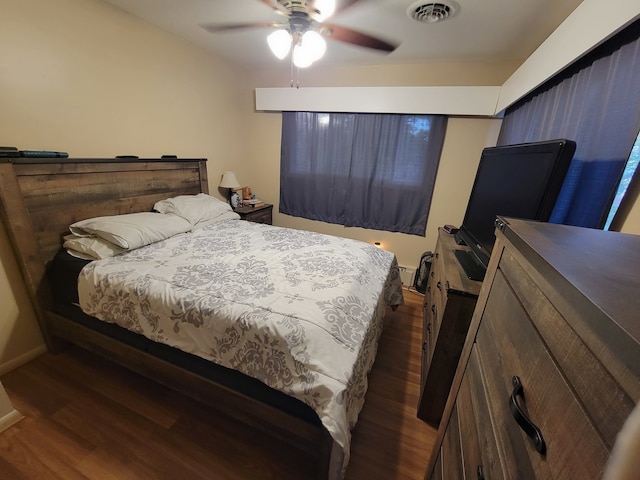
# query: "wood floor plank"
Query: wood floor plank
{"points": [[87, 418]]}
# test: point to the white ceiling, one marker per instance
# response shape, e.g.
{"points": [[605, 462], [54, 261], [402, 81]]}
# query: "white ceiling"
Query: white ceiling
{"points": [[481, 30]]}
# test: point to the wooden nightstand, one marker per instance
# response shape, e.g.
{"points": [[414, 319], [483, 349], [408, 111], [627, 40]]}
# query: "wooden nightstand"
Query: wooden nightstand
{"points": [[261, 214]]}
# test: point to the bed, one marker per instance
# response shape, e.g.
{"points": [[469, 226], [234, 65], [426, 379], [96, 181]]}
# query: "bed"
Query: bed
{"points": [[268, 302]]}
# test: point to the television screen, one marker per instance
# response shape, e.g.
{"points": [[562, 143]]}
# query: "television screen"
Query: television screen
{"points": [[521, 181]]}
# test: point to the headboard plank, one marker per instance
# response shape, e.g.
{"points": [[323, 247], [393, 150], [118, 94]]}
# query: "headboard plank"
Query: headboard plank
{"points": [[20, 232], [48, 198], [40, 198]]}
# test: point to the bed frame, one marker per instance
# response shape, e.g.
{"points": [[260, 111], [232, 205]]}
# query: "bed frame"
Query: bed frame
{"points": [[41, 197]]}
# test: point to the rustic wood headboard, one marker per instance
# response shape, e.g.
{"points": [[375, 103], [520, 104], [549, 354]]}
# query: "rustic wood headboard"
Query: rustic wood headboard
{"points": [[41, 197]]}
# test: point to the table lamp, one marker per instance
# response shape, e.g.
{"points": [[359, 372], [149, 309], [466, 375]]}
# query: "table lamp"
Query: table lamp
{"points": [[230, 181]]}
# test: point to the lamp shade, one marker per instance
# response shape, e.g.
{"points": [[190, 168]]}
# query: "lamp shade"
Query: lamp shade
{"points": [[309, 49], [314, 44], [280, 43], [229, 180], [325, 9]]}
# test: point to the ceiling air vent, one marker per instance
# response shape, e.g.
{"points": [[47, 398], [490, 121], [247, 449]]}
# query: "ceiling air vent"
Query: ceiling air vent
{"points": [[432, 12]]}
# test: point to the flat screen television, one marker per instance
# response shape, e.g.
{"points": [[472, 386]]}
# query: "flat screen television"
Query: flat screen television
{"points": [[521, 181]]}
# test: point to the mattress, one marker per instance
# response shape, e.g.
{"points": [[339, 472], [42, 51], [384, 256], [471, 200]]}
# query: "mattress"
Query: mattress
{"points": [[63, 272]]}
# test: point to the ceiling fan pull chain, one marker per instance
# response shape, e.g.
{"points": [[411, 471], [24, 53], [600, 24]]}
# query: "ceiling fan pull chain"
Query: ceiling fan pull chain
{"points": [[291, 72]]}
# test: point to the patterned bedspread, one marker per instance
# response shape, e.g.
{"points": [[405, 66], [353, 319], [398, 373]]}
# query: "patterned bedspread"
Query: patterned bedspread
{"points": [[300, 311]]}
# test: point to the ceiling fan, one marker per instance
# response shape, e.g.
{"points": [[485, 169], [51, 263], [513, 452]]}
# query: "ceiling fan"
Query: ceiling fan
{"points": [[303, 29]]}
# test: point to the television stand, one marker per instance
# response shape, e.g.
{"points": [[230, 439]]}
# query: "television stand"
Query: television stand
{"points": [[448, 307], [472, 269]]}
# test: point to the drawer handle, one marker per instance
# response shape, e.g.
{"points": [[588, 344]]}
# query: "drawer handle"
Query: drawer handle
{"points": [[527, 425], [480, 473], [439, 285], [433, 310]]}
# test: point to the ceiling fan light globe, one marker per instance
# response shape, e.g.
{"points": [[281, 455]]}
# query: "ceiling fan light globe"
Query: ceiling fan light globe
{"points": [[301, 57], [325, 9], [314, 45], [279, 43]]}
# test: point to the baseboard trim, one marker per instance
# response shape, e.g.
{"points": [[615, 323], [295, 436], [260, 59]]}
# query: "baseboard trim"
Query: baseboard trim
{"points": [[22, 359], [10, 419]]}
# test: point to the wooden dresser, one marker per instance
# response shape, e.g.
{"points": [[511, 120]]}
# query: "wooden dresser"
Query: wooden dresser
{"points": [[550, 369], [447, 310]]}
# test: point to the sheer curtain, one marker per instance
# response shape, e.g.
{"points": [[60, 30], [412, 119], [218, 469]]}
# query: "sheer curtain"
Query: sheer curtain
{"points": [[596, 103], [374, 171]]}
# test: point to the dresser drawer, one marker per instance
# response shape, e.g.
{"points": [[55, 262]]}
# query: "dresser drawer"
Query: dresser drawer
{"points": [[431, 302], [435, 302], [478, 442], [509, 346], [451, 451], [468, 447], [437, 471], [593, 382]]}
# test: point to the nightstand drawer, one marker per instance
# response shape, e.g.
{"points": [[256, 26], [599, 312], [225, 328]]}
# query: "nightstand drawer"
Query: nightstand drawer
{"points": [[261, 214], [260, 217]]}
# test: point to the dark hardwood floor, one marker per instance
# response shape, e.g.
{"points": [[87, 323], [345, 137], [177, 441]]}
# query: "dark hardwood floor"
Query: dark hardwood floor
{"points": [[87, 418]]}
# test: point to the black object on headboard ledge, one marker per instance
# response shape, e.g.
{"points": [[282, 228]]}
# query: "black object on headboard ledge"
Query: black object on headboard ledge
{"points": [[13, 152]]}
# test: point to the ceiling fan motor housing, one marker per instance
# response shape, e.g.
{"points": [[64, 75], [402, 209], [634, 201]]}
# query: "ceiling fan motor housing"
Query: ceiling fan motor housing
{"points": [[294, 5]]}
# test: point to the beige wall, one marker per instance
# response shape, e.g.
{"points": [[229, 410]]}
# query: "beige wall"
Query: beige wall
{"points": [[83, 77]]}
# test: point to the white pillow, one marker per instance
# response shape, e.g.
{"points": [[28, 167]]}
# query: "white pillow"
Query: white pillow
{"points": [[132, 230], [194, 208], [220, 218], [90, 248]]}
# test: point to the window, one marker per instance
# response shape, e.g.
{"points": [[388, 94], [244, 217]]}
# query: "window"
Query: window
{"points": [[374, 171], [627, 175]]}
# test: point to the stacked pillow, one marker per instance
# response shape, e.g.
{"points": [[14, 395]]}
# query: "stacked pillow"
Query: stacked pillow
{"points": [[200, 210], [103, 237]]}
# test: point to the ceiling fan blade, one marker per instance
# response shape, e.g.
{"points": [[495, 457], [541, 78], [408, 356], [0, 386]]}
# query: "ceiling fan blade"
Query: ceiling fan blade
{"points": [[342, 5], [347, 35], [215, 28], [276, 6]]}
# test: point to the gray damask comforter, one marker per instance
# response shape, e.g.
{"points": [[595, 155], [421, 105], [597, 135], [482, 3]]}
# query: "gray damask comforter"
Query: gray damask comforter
{"points": [[300, 311]]}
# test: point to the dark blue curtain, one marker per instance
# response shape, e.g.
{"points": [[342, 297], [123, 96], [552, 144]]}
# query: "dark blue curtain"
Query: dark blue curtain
{"points": [[595, 102], [375, 171]]}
